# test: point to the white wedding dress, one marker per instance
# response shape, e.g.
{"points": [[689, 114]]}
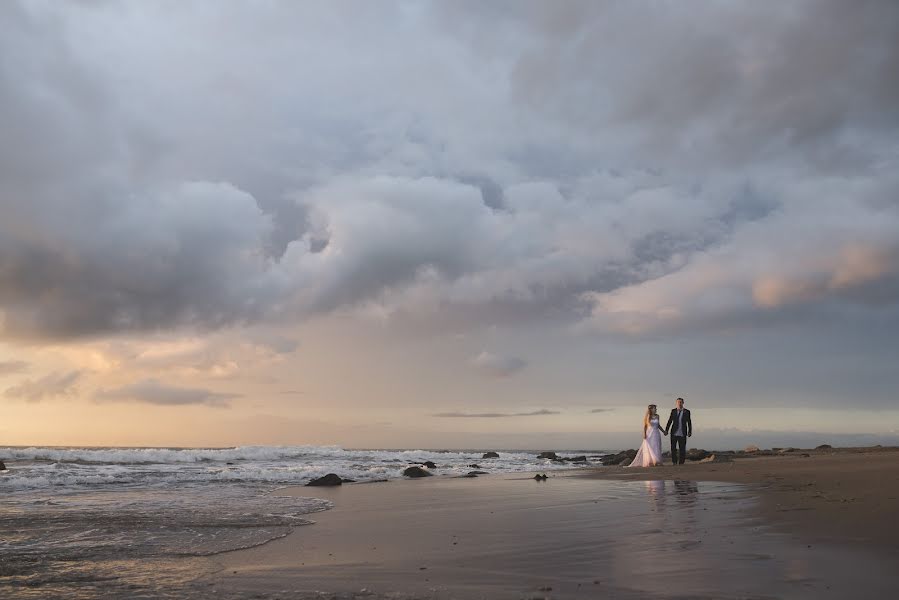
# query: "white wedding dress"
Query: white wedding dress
{"points": [[650, 452]]}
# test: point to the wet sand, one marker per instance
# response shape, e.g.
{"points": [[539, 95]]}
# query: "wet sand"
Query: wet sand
{"points": [[781, 527], [840, 495]]}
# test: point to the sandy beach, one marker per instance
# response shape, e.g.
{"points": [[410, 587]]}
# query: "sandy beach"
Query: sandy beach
{"points": [[789, 526], [840, 495]]}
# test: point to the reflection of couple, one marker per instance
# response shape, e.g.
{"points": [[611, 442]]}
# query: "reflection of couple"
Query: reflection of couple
{"points": [[681, 427]]}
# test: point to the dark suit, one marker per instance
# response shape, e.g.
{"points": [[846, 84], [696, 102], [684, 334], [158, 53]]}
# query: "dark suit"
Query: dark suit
{"points": [[678, 458]]}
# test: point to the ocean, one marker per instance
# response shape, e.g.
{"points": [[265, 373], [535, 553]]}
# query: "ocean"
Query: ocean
{"points": [[81, 522]]}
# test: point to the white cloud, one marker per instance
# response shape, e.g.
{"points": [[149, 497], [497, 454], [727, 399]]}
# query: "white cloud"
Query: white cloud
{"points": [[9, 367], [53, 385], [151, 391], [497, 415], [498, 366], [822, 247]]}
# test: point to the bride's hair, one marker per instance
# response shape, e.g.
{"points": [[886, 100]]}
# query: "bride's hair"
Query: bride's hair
{"points": [[650, 410]]}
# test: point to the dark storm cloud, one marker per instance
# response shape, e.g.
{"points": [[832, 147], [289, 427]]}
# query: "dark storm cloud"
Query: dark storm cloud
{"points": [[721, 81], [465, 415], [151, 391], [658, 167]]}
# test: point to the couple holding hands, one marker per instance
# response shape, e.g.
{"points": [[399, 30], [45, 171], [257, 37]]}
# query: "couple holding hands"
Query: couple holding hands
{"points": [[680, 426]]}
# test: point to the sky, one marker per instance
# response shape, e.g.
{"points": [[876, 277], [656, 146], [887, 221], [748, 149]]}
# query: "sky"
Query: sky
{"points": [[448, 224]]}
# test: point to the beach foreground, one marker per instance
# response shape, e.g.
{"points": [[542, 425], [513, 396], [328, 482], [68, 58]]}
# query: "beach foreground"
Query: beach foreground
{"points": [[769, 527]]}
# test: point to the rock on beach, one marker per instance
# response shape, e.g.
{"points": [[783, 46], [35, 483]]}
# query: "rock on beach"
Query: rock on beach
{"points": [[416, 472], [328, 480], [623, 457]]}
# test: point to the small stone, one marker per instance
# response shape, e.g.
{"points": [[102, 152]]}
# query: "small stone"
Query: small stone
{"points": [[490, 455]]}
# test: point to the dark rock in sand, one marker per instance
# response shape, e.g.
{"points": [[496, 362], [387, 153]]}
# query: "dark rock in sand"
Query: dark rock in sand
{"points": [[697, 454], [416, 472], [474, 466], [539, 477], [327, 480], [2, 466], [475, 473], [429, 464], [576, 459], [549, 455], [490, 455], [824, 447]]}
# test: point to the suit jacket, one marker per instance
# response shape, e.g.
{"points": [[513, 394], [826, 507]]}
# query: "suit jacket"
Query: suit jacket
{"points": [[671, 427]]}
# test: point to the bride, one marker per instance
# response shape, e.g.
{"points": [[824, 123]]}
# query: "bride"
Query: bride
{"points": [[650, 453]]}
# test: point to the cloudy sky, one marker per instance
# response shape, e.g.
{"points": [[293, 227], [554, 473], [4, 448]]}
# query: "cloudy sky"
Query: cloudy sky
{"points": [[504, 224]]}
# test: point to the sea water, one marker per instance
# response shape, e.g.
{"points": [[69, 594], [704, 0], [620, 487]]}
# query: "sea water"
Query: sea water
{"points": [[133, 522]]}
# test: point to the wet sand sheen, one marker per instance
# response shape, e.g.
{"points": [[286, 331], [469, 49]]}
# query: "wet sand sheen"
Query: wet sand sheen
{"points": [[504, 537], [836, 495]]}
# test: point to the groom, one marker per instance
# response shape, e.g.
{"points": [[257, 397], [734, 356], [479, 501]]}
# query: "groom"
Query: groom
{"points": [[683, 428]]}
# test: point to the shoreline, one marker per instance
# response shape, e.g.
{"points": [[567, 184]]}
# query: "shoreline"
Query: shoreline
{"points": [[745, 525]]}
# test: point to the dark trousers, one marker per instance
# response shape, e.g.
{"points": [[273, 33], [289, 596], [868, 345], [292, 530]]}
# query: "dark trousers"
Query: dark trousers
{"points": [[678, 458]]}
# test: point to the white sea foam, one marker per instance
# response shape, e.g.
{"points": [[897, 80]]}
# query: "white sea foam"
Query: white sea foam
{"points": [[61, 468], [166, 455]]}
